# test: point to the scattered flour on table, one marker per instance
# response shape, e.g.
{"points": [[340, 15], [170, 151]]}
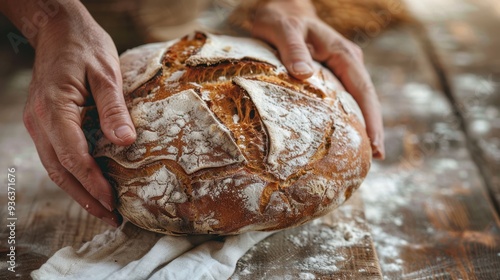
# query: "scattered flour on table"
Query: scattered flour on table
{"points": [[390, 193], [340, 235], [328, 239], [321, 263], [382, 202], [314, 249], [307, 276]]}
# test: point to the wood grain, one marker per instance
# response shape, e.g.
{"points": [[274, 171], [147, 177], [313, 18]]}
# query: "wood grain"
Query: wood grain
{"points": [[427, 204], [469, 47], [336, 246]]}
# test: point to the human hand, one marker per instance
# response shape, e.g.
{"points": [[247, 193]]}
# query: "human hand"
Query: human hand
{"points": [[293, 27], [76, 64]]}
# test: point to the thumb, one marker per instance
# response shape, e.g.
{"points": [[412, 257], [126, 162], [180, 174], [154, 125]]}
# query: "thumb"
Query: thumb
{"points": [[106, 88], [288, 38]]}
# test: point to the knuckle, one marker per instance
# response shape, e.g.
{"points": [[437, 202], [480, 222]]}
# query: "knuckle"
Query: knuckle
{"points": [[40, 108], [81, 172], [368, 90], [113, 110], [105, 81], [344, 48], [356, 50], [297, 48], [58, 177], [43, 106], [28, 122], [292, 23], [337, 49], [287, 24], [68, 161]]}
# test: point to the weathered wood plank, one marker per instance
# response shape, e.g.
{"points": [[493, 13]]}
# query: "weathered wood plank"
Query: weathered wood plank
{"points": [[427, 205], [336, 246], [469, 48]]}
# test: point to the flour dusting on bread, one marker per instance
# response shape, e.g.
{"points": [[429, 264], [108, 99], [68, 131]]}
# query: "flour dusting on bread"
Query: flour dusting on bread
{"points": [[227, 141], [220, 48], [295, 131], [140, 64], [204, 142]]}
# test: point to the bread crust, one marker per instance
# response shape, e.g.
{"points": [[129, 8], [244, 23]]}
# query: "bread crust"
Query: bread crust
{"points": [[227, 141]]}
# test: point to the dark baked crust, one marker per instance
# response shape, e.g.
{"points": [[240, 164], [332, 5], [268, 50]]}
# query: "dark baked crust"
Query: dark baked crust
{"points": [[228, 142]]}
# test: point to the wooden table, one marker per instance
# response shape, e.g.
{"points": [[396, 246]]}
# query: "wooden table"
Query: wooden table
{"points": [[429, 211]]}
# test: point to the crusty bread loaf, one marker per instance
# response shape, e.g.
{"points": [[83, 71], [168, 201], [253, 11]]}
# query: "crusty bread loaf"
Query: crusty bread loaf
{"points": [[227, 141]]}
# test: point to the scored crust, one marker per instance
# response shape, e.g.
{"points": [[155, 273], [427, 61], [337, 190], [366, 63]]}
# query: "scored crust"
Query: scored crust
{"points": [[227, 141]]}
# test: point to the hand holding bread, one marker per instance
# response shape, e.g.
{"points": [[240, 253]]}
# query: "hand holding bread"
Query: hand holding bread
{"points": [[77, 64], [228, 141]]}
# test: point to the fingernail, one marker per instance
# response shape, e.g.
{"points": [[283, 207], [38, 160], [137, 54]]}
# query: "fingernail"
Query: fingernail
{"points": [[123, 132], [106, 205], [111, 221], [301, 68]]}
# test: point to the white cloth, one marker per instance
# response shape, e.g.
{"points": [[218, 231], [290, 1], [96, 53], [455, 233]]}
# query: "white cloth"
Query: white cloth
{"points": [[133, 253]]}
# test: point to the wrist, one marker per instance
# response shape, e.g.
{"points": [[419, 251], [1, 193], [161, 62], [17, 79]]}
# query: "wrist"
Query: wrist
{"points": [[67, 18], [40, 19]]}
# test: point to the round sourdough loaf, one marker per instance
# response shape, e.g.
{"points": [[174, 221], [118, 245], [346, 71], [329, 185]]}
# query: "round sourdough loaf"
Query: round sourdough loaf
{"points": [[227, 141]]}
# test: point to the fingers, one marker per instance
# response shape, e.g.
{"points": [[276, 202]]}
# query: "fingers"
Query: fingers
{"points": [[345, 59], [63, 178], [287, 35], [70, 165], [289, 25], [60, 84], [106, 86]]}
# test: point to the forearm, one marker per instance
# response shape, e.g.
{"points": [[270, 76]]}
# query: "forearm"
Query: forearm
{"points": [[35, 18]]}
